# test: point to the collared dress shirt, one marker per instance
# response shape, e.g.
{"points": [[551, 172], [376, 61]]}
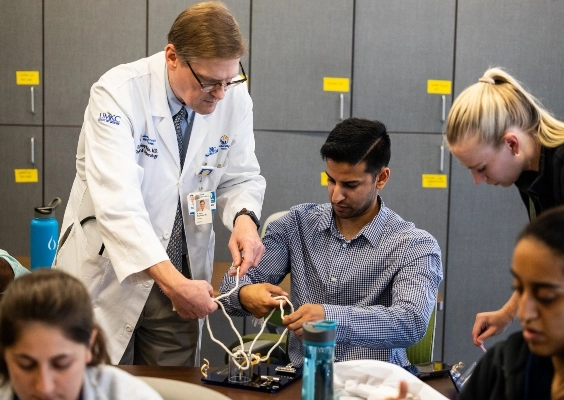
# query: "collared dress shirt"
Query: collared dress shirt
{"points": [[380, 287]]}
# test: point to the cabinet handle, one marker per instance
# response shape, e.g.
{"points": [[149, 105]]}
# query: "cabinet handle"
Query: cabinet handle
{"points": [[32, 101], [442, 166], [32, 151], [342, 115], [443, 118]]}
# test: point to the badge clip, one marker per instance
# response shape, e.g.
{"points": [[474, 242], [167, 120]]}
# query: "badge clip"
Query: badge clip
{"points": [[205, 171]]}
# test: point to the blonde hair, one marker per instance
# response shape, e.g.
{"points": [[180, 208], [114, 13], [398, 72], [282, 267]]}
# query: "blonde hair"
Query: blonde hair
{"points": [[207, 30], [495, 103]]}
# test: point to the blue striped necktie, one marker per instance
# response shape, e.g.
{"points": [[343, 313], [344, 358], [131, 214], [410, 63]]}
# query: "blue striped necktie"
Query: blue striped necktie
{"points": [[174, 248]]}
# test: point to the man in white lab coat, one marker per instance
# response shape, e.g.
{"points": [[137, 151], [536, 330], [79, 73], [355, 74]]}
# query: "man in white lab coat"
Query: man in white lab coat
{"points": [[132, 186]]}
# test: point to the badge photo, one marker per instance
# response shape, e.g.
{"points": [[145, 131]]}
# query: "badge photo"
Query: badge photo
{"points": [[203, 211]]}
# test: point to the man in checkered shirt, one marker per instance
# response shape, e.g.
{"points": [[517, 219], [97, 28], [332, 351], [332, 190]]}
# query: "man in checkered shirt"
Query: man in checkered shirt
{"points": [[352, 260]]}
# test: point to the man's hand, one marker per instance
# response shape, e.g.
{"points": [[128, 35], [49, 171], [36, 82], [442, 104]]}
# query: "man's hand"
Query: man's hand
{"points": [[307, 312], [193, 299], [258, 298], [245, 239], [493, 323], [190, 298]]}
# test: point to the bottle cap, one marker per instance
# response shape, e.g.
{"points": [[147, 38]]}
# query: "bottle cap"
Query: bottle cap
{"points": [[320, 333], [47, 211]]}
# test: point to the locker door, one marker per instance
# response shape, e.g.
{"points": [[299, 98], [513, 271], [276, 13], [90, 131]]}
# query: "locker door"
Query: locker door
{"points": [[399, 47], [21, 150], [295, 45], [84, 39], [21, 46]]}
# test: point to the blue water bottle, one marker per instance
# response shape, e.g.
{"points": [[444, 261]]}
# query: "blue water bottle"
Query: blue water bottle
{"points": [[319, 354], [44, 235]]}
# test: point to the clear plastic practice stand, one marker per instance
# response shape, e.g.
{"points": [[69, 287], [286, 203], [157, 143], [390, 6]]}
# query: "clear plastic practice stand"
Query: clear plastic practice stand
{"points": [[264, 377], [245, 369], [460, 378]]}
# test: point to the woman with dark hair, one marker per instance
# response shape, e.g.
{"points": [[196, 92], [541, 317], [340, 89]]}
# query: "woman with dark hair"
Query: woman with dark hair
{"points": [[530, 364], [51, 348]]}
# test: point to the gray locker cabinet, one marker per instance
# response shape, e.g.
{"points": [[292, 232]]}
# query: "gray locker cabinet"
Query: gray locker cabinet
{"points": [[162, 14], [84, 39], [295, 44], [19, 199], [525, 38], [415, 154], [60, 165], [21, 47], [399, 46]]}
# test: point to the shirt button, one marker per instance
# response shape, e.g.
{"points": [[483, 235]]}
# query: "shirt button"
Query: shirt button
{"points": [[146, 284], [344, 245], [166, 235], [128, 328], [333, 279]]}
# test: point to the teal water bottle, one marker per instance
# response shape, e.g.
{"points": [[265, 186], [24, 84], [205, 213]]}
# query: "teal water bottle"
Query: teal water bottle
{"points": [[319, 355], [44, 235]]}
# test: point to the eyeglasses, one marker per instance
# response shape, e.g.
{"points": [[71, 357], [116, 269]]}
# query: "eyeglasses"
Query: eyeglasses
{"points": [[208, 87]]}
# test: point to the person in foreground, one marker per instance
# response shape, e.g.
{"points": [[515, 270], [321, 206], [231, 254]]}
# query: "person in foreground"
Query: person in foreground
{"points": [[155, 131], [51, 348], [10, 269], [505, 136], [352, 260], [530, 364]]}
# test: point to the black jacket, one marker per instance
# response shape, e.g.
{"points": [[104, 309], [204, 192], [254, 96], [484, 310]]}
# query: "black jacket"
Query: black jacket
{"points": [[510, 371], [545, 187]]}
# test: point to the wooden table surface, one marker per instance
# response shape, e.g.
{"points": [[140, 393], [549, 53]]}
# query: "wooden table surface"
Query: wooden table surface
{"points": [[291, 392]]}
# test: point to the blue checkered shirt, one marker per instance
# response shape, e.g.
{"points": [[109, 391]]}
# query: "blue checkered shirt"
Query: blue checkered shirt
{"points": [[380, 287]]}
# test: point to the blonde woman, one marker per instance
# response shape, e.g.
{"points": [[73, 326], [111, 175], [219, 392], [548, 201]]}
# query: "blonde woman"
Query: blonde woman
{"points": [[504, 136]]}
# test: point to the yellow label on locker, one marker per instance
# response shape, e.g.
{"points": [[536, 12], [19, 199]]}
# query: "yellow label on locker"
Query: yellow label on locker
{"points": [[439, 87], [27, 77], [324, 179], [434, 181], [26, 175], [335, 84]]}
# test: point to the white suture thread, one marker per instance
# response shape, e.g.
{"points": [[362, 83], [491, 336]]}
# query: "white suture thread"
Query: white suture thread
{"points": [[249, 356]]}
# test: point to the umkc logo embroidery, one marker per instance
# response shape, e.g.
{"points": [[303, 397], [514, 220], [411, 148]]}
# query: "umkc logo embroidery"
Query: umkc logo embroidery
{"points": [[110, 118], [224, 142], [212, 150]]}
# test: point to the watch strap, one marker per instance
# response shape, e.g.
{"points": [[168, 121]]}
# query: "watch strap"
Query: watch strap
{"points": [[251, 214]]}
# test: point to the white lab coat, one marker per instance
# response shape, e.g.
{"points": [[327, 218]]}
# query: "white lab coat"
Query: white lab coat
{"points": [[128, 177]]}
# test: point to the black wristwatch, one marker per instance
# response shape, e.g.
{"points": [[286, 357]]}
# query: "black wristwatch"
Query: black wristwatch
{"points": [[251, 214]]}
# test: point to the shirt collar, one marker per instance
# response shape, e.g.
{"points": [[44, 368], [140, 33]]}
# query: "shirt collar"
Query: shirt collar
{"points": [[371, 231], [173, 103]]}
